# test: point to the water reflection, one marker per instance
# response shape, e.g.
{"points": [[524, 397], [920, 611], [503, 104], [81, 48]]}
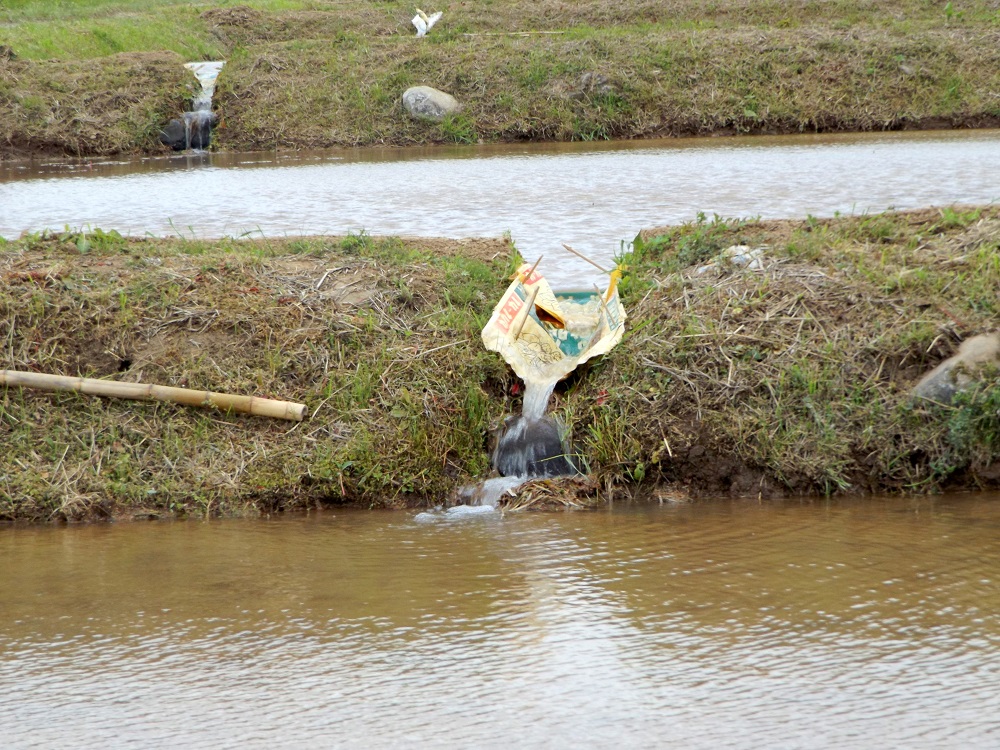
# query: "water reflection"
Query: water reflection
{"points": [[591, 196], [848, 624]]}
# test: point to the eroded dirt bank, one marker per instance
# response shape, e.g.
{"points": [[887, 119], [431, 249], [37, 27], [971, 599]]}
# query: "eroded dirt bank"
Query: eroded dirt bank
{"points": [[786, 379]]}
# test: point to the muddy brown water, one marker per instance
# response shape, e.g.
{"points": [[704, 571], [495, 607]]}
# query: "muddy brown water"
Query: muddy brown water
{"points": [[855, 623], [842, 624], [592, 196]]}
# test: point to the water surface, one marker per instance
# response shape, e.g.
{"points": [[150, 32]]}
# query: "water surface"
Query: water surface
{"points": [[594, 197], [848, 624]]}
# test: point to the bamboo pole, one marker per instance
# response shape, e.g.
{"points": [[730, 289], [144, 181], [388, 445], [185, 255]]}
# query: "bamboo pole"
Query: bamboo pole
{"points": [[261, 407]]}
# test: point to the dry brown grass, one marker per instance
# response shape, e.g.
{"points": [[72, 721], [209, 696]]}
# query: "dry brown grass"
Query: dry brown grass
{"points": [[797, 377], [357, 329], [114, 105]]}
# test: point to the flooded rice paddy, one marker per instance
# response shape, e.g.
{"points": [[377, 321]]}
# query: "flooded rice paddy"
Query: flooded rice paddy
{"points": [[594, 197], [845, 624]]}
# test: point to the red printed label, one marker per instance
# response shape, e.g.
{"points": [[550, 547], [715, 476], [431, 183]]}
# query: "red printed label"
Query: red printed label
{"points": [[510, 309]]}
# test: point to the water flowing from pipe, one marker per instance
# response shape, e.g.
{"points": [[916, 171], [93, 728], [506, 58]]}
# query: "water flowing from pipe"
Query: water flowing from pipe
{"points": [[536, 397], [207, 74], [199, 121]]}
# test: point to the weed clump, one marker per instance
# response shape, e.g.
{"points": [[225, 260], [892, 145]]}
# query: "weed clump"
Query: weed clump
{"points": [[973, 423]]}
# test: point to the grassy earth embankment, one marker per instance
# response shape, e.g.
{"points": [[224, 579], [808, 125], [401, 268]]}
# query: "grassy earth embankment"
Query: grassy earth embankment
{"points": [[98, 77], [790, 379]]}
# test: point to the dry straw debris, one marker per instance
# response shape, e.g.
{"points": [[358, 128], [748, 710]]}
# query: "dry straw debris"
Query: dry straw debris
{"points": [[557, 493]]}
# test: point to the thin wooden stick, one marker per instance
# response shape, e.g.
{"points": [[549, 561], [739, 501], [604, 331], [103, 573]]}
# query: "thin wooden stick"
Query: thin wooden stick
{"points": [[527, 312], [261, 407], [511, 33], [532, 269], [600, 297], [578, 254]]}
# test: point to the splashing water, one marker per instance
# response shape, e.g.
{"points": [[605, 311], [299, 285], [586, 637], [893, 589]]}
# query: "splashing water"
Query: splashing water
{"points": [[532, 445], [532, 448], [489, 491], [528, 446], [198, 129]]}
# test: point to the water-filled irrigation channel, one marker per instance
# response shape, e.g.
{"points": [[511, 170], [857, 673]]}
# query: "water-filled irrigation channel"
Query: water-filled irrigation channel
{"points": [[593, 197], [846, 624]]}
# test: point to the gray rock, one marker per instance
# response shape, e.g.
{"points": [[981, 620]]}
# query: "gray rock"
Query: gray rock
{"points": [[426, 103], [174, 135], [961, 371]]}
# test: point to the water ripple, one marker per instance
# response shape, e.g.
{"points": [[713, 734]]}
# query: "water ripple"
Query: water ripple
{"points": [[724, 625], [607, 192]]}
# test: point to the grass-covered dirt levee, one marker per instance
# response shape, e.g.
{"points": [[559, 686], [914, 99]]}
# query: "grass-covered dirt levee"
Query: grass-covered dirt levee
{"points": [[97, 77], [788, 379]]}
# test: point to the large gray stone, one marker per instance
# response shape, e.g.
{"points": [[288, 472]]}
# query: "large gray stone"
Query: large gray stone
{"points": [[961, 371], [174, 134], [426, 103]]}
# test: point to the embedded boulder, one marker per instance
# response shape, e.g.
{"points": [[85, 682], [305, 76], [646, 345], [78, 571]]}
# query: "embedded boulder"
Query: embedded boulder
{"points": [[426, 103], [174, 135], [961, 371]]}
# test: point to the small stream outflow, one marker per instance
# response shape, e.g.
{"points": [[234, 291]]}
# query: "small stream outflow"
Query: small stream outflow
{"points": [[528, 447], [532, 445], [194, 131]]}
